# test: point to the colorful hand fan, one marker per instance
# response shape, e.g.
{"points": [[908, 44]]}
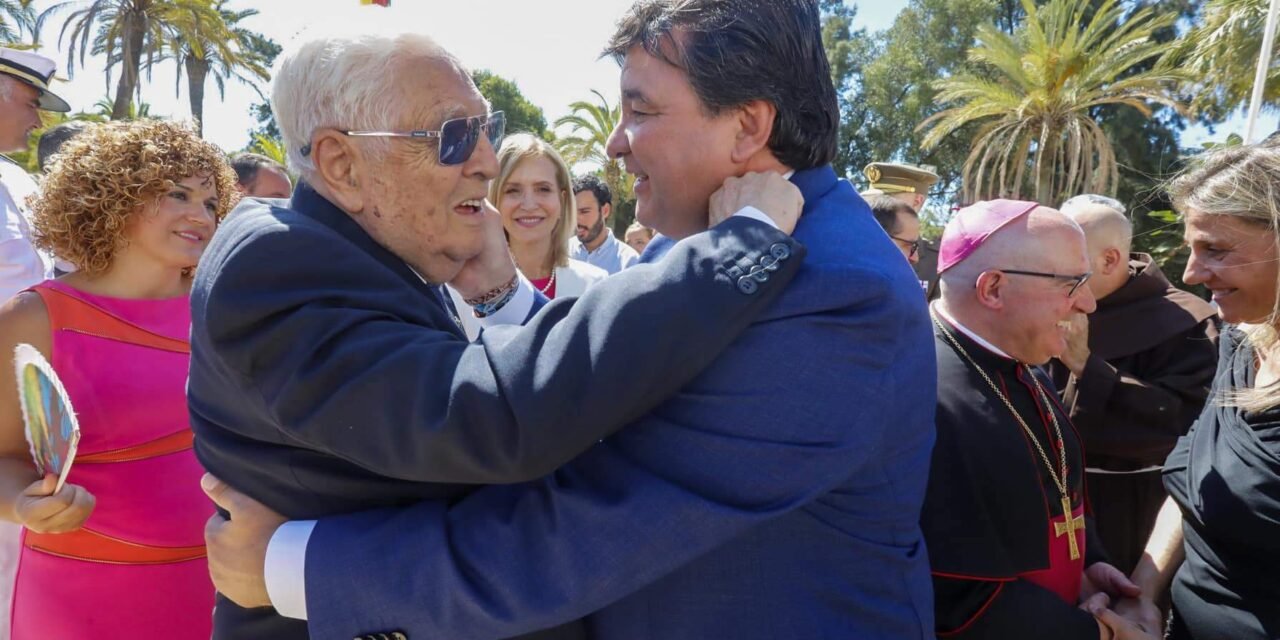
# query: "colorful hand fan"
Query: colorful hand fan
{"points": [[52, 429]]}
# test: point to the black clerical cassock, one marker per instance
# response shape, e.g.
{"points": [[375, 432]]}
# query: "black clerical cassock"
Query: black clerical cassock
{"points": [[1006, 528]]}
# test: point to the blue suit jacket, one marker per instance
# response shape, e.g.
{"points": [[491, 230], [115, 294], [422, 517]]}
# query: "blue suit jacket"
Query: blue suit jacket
{"points": [[777, 495], [326, 377]]}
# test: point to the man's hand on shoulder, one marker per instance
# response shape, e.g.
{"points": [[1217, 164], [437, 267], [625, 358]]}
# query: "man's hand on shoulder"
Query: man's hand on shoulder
{"points": [[238, 546], [493, 266], [769, 192]]}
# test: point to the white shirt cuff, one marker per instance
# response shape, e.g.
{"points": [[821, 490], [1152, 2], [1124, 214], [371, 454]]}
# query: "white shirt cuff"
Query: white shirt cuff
{"points": [[516, 310], [756, 214], [286, 568]]}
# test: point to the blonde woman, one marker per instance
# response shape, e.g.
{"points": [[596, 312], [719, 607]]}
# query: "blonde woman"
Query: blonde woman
{"points": [[1217, 540], [534, 193]]}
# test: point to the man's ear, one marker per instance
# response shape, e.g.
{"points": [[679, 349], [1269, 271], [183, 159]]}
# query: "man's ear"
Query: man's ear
{"points": [[605, 210], [338, 164], [1114, 259], [755, 127], [990, 289]]}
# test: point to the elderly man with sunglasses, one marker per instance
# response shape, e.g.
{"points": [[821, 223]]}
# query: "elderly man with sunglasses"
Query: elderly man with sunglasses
{"points": [[1011, 543], [329, 373]]}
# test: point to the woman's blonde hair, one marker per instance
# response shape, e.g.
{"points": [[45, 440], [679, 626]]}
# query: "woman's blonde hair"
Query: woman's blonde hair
{"points": [[523, 146], [1242, 182], [109, 173]]}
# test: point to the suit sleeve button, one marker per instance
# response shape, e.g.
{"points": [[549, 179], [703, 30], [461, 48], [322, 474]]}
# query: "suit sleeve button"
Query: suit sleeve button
{"points": [[780, 251], [747, 285]]}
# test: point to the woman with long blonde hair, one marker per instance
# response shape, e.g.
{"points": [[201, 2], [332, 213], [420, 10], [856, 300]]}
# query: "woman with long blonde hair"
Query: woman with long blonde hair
{"points": [[1216, 543], [534, 193]]}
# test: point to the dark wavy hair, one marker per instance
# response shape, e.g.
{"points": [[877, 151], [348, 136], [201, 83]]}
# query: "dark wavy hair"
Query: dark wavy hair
{"points": [[738, 51]]}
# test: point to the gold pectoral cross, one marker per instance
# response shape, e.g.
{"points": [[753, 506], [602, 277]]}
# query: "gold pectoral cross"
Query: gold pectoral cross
{"points": [[1069, 528]]}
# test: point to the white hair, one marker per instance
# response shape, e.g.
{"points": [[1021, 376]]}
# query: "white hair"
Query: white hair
{"points": [[343, 81], [6, 86]]}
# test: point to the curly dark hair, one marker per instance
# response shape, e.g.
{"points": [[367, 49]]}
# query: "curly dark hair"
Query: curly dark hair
{"points": [[110, 172]]}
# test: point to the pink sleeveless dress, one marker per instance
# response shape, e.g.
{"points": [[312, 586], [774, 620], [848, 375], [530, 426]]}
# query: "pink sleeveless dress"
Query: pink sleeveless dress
{"points": [[137, 568]]}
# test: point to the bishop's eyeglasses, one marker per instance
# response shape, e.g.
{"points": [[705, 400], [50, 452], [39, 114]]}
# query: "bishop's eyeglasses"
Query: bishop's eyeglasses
{"points": [[1076, 281]]}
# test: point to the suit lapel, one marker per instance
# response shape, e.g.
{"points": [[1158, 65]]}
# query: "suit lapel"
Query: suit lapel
{"points": [[308, 202]]}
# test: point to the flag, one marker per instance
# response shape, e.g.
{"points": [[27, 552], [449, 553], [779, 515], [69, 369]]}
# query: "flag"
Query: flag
{"points": [[380, 3]]}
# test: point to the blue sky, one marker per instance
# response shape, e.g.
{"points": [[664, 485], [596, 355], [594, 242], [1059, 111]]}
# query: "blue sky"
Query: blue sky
{"points": [[549, 47]]}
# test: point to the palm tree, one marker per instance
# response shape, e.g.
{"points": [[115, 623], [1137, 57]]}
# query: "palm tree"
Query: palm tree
{"points": [[103, 110], [126, 31], [223, 49], [1036, 109], [270, 147], [591, 124], [16, 17], [1222, 51]]}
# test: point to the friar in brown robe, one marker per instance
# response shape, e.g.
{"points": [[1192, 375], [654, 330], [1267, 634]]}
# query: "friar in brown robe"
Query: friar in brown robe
{"points": [[1135, 376]]}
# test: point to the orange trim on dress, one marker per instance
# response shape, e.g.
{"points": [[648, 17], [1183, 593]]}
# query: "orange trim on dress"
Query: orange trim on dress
{"points": [[172, 443], [67, 312], [91, 546]]}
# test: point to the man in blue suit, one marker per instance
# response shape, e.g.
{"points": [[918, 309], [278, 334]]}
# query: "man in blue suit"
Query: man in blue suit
{"points": [[328, 372], [776, 495]]}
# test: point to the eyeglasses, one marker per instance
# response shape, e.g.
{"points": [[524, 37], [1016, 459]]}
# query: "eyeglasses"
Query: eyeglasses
{"points": [[1077, 281], [458, 137], [913, 246]]}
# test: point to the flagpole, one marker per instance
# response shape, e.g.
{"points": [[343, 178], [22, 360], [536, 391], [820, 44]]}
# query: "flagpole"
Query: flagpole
{"points": [[1260, 77]]}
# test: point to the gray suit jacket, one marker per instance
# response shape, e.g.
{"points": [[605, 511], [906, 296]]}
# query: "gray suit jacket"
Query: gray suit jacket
{"points": [[327, 378]]}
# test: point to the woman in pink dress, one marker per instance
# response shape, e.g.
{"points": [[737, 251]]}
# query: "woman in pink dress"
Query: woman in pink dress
{"points": [[118, 551]]}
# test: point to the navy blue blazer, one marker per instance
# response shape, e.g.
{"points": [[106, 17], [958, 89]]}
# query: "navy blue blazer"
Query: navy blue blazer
{"points": [[776, 495], [326, 377]]}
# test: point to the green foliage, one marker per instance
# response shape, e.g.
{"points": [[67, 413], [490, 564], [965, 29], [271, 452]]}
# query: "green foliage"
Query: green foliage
{"points": [[1165, 244], [261, 111], [103, 110], [215, 45], [132, 34], [886, 85], [503, 95], [590, 125], [1039, 135], [1222, 54], [28, 158], [270, 147], [16, 18]]}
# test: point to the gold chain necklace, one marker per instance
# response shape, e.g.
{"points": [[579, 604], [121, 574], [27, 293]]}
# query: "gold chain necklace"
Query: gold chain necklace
{"points": [[1059, 476]]}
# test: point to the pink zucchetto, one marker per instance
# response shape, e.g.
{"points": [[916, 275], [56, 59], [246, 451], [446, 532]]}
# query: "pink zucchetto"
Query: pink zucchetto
{"points": [[971, 227]]}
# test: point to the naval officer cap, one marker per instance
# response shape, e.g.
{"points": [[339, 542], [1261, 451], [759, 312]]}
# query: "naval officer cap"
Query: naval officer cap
{"points": [[889, 178], [35, 70]]}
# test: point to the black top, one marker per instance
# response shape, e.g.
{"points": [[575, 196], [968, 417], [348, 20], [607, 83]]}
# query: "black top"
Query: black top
{"points": [[1225, 477]]}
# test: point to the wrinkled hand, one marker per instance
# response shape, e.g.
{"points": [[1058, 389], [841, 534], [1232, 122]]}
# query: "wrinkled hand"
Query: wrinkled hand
{"points": [[769, 192], [1102, 578], [1143, 613], [493, 267], [1077, 353], [43, 511], [238, 547]]}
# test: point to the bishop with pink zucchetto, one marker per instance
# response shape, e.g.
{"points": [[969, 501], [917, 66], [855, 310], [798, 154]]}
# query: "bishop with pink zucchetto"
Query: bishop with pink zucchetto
{"points": [[1009, 533]]}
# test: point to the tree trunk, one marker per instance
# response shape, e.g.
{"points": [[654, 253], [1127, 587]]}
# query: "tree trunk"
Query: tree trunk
{"points": [[197, 71], [131, 63], [1047, 168]]}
